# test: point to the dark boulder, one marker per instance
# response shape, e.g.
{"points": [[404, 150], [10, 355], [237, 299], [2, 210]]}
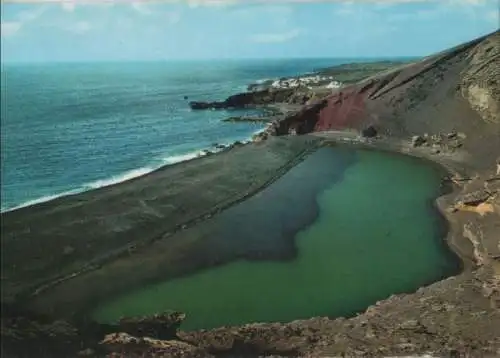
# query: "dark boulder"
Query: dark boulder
{"points": [[417, 141], [474, 198], [159, 326], [199, 105], [259, 137], [207, 105], [369, 132]]}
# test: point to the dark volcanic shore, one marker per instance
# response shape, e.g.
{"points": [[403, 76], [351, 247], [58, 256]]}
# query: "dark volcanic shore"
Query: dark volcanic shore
{"points": [[122, 219], [444, 109]]}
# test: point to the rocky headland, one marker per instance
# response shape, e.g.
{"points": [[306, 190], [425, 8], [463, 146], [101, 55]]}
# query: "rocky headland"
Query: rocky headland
{"points": [[277, 98], [443, 108], [298, 90], [258, 99]]}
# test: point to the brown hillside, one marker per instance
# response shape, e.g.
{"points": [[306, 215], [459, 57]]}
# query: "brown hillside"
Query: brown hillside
{"points": [[456, 90]]}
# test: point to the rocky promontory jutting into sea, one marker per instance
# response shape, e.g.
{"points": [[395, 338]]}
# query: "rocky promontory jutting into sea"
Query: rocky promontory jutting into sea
{"points": [[185, 229], [278, 98]]}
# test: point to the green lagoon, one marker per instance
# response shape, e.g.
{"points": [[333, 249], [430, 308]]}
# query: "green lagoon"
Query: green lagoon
{"points": [[374, 232]]}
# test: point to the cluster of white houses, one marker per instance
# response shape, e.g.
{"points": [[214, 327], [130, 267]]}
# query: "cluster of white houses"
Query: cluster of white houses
{"points": [[327, 81]]}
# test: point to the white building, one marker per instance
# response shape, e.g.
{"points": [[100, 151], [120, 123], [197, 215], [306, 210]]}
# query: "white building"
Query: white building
{"points": [[334, 84], [306, 81]]}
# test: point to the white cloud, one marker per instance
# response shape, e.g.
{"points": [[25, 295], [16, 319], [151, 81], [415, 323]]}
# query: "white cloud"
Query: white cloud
{"points": [[261, 9], [493, 16], [279, 10], [213, 3], [32, 14], [173, 17], [10, 28], [472, 2], [478, 9], [222, 3], [141, 7], [346, 10], [80, 27], [276, 37], [68, 6]]}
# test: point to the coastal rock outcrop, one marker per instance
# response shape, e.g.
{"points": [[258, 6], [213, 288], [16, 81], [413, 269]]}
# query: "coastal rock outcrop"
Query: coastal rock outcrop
{"points": [[246, 99], [123, 344], [159, 326], [299, 90]]}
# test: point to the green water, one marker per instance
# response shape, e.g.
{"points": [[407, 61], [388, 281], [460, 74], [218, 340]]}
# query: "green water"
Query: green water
{"points": [[376, 234]]}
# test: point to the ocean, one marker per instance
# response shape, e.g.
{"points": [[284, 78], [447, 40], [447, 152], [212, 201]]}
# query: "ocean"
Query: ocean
{"points": [[67, 128]]}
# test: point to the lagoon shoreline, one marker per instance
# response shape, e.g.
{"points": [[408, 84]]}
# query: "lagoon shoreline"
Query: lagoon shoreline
{"points": [[454, 239]]}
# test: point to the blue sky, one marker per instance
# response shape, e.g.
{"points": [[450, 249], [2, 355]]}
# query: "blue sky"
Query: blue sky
{"points": [[94, 30]]}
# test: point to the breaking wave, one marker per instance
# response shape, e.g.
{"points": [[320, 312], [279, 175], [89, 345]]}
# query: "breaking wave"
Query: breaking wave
{"points": [[128, 175]]}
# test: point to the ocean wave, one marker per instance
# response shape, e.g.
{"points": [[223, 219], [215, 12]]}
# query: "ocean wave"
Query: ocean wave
{"points": [[160, 161], [120, 178], [181, 158], [263, 80], [139, 172], [42, 199], [131, 174]]}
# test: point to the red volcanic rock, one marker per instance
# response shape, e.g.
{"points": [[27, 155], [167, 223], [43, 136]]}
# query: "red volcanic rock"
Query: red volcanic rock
{"points": [[344, 109]]}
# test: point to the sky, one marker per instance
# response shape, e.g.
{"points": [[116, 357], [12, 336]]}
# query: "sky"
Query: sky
{"points": [[119, 30]]}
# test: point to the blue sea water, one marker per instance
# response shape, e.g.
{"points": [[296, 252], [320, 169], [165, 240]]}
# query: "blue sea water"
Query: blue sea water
{"points": [[67, 128]]}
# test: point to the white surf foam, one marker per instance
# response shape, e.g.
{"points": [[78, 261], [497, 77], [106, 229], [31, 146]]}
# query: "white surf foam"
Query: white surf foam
{"points": [[42, 199], [131, 174], [128, 175], [135, 173], [263, 80], [181, 158]]}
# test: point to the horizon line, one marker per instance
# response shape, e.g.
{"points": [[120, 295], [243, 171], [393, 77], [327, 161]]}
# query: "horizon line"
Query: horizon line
{"points": [[383, 58]]}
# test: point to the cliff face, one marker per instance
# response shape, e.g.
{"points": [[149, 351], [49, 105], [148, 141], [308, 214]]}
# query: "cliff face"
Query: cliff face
{"points": [[481, 79], [450, 91]]}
